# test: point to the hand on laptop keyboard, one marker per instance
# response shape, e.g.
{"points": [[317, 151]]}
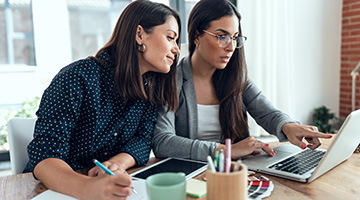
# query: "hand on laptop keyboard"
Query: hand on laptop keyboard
{"points": [[248, 146]]}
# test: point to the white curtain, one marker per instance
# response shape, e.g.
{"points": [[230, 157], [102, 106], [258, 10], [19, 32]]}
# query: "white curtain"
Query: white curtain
{"points": [[293, 47]]}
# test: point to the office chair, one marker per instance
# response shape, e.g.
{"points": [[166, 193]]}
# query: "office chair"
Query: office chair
{"points": [[20, 133]]}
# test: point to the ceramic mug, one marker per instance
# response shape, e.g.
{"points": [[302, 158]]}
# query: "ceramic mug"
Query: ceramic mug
{"points": [[165, 186]]}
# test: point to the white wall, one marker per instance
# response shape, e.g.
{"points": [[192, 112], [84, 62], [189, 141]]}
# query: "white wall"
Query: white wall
{"points": [[293, 52]]}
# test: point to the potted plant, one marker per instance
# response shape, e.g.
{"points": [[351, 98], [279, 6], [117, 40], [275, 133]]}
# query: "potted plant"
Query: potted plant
{"points": [[323, 118]]}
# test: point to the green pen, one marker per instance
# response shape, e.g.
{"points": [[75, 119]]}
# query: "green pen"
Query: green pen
{"points": [[216, 160]]}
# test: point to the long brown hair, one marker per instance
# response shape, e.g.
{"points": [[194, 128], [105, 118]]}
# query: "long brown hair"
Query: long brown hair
{"points": [[230, 82], [161, 88]]}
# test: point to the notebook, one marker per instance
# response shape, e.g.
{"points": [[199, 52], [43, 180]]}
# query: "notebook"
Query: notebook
{"points": [[341, 148], [138, 184]]}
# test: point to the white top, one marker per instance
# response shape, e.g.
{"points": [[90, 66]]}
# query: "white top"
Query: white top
{"points": [[208, 123]]}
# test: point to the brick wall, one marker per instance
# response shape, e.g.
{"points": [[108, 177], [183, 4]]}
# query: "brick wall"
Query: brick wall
{"points": [[350, 55]]}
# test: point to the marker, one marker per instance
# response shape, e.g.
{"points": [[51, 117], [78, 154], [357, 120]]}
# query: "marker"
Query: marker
{"points": [[235, 167], [221, 160], [216, 161], [96, 162], [228, 155], [211, 164]]}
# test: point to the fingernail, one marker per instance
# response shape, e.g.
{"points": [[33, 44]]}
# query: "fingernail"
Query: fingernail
{"points": [[330, 136], [303, 146], [266, 144], [274, 151]]}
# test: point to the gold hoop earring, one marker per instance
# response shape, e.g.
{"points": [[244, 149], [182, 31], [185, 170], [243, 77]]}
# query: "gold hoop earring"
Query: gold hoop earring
{"points": [[141, 48], [196, 45]]}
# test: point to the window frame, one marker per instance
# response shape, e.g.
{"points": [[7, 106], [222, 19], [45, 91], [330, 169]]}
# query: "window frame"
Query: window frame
{"points": [[11, 36]]}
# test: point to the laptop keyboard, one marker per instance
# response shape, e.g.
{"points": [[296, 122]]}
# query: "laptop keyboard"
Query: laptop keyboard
{"points": [[300, 163]]}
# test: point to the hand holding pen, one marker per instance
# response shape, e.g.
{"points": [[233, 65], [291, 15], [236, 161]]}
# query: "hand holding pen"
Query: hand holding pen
{"points": [[96, 162], [105, 185]]}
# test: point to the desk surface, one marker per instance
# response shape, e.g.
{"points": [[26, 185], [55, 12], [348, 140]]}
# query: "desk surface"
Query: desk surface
{"points": [[342, 182]]}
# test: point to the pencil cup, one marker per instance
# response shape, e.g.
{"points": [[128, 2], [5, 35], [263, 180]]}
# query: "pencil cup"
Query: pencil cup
{"points": [[227, 186]]}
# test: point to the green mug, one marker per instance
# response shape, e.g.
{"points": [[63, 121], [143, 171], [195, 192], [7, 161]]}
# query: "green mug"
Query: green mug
{"points": [[165, 186]]}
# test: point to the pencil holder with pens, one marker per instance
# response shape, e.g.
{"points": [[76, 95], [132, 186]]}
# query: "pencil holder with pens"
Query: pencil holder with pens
{"points": [[227, 186]]}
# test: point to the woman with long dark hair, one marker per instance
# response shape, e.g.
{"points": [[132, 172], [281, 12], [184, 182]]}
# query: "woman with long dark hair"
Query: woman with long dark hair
{"points": [[215, 94], [104, 107]]}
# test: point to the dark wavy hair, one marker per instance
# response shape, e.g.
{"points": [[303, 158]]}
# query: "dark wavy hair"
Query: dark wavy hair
{"points": [[230, 82], [122, 47]]}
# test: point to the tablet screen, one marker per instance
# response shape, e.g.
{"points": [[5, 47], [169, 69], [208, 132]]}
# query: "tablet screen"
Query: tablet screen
{"points": [[173, 165]]}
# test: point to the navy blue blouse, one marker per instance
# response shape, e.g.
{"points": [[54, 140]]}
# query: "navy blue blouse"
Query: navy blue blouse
{"points": [[82, 116]]}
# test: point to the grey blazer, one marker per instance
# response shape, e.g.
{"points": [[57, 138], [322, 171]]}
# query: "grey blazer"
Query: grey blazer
{"points": [[175, 134]]}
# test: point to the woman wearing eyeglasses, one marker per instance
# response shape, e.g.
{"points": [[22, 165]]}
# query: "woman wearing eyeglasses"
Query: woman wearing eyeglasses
{"points": [[215, 94]]}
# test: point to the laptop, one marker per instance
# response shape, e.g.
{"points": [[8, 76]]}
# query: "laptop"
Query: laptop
{"points": [[294, 163]]}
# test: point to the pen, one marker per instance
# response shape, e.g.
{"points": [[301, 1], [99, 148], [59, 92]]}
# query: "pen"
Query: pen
{"points": [[211, 164], [228, 155], [96, 162], [221, 160], [236, 164], [235, 167], [216, 161]]}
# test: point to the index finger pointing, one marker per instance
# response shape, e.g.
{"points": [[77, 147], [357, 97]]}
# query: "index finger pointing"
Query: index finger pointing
{"points": [[318, 135]]}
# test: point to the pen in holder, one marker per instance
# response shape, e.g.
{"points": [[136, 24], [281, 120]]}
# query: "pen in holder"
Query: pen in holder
{"points": [[228, 186]]}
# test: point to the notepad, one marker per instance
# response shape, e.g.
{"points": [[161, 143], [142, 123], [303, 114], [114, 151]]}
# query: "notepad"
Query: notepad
{"points": [[138, 184], [50, 194], [195, 188]]}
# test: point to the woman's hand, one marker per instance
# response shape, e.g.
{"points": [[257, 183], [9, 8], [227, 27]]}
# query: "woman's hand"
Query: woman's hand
{"points": [[296, 133], [112, 166], [248, 146], [105, 186]]}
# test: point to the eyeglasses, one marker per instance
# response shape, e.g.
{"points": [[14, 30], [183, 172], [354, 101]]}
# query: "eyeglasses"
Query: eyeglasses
{"points": [[224, 40]]}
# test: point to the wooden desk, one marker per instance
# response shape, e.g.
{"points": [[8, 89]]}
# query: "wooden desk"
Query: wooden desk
{"points": [[341, 182]]}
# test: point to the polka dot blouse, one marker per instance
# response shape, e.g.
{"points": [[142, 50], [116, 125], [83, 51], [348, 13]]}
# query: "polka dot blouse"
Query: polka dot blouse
{"points": [[81, 117]]}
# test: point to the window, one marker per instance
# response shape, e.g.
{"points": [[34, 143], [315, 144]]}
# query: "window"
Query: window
{"points": [[16, 33], [91, 24], [184, 7]]}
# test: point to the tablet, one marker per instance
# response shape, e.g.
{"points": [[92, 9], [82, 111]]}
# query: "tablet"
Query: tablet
{"points": [[190, 167]]}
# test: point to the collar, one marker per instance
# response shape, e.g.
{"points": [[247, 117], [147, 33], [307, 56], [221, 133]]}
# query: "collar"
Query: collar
{"points": [[186, 68]]}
